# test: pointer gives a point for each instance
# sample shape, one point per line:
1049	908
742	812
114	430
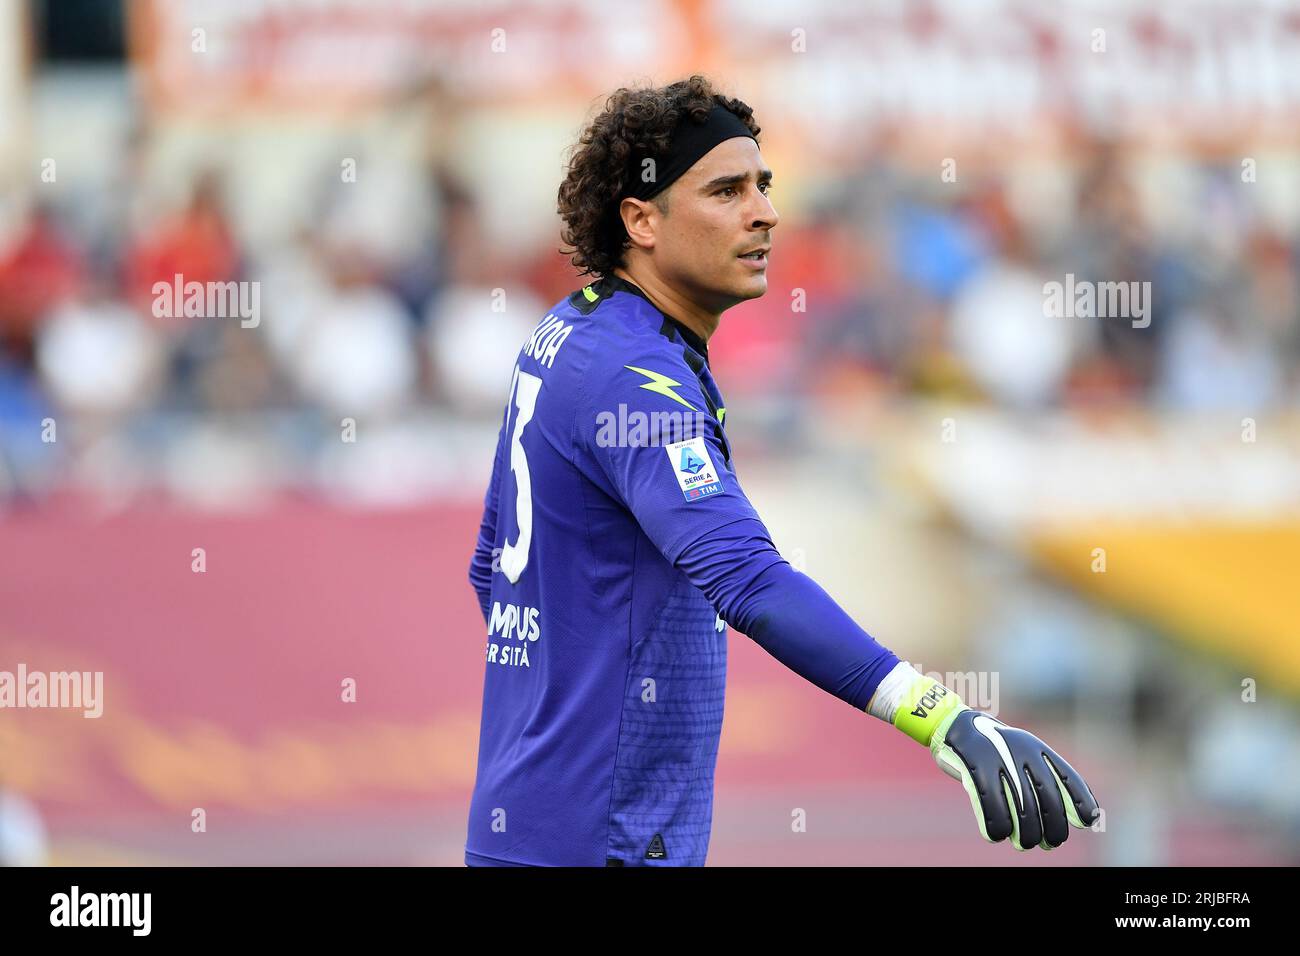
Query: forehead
738	155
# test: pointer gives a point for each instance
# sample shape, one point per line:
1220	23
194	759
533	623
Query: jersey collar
614	283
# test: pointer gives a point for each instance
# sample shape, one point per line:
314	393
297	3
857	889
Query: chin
751	287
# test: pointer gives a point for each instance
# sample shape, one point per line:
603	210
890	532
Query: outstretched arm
1019	787
788	614
688	501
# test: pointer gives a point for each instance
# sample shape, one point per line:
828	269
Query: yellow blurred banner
1232	589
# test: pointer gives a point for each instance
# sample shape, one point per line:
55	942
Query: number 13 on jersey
524	389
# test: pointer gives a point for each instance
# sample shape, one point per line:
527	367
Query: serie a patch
694	468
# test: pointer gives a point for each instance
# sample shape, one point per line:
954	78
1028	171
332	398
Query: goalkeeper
611	559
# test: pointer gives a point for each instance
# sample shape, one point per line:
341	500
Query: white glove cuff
889	695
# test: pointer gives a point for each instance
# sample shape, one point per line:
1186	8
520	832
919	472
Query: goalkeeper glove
1018	786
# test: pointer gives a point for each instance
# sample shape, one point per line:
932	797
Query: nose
766	216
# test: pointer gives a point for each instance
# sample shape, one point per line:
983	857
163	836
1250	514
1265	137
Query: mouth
757	259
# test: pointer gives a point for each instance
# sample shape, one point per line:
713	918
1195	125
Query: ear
641	220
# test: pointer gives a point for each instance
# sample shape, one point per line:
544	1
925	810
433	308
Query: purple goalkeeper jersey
606	667
613	500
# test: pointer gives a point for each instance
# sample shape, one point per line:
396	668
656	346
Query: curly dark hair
636	122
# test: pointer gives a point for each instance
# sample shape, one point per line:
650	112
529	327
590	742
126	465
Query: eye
729	191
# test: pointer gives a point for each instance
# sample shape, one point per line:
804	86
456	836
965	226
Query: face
718	211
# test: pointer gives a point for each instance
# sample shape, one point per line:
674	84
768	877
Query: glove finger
1029	825
1017	840
1056	826
1080	805
985	774
987	783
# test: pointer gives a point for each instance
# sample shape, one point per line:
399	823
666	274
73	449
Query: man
616	539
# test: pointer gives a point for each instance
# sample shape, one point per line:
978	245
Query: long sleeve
785	612
719	541
481	564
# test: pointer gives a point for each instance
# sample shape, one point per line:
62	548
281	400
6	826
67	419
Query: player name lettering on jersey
512	622
544	344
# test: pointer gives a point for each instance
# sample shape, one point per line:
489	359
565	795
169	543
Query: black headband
690	141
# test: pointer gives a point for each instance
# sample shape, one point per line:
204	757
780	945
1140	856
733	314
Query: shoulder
604	344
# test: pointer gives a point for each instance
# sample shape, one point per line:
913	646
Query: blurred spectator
39	271
1246	374
96	357
197	244
1000	329
355	355
473	337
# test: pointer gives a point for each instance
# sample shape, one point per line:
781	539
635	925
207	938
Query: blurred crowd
393	309
929	287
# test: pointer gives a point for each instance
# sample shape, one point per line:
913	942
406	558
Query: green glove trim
928	708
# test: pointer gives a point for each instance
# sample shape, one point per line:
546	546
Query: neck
670	301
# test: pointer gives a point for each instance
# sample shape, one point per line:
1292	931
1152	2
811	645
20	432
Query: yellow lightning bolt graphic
661	384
